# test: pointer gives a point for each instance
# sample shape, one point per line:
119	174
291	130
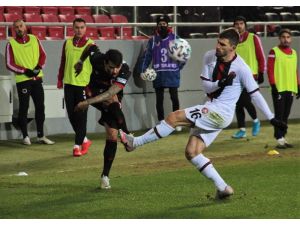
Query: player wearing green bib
26	57
284	80
74	84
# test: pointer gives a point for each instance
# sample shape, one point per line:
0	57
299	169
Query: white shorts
208	122
207	136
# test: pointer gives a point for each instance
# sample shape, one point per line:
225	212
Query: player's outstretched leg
159	131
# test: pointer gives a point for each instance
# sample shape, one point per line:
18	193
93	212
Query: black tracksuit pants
244	102
33	88
160	101
282	102
78	120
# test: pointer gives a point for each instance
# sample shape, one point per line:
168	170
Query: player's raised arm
86	52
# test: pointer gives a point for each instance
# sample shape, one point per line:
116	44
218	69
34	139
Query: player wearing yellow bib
26	57
284	80
74	84
251	51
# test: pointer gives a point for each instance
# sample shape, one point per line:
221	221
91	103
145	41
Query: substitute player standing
251	51
104	92
26	57
284	80
74	85
224	76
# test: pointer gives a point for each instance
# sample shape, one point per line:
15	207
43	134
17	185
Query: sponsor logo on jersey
215	117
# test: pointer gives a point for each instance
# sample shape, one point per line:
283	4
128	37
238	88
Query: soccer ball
149	74
180	50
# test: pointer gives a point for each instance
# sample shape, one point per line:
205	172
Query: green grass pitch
155	181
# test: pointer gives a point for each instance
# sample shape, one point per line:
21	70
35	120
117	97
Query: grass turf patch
153	182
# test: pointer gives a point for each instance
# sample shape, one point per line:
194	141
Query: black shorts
106	117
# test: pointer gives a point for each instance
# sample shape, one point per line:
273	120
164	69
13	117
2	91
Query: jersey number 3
164	55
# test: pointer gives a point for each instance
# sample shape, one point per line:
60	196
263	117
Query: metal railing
221	25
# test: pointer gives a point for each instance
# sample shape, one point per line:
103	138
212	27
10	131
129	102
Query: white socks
159	131
204	165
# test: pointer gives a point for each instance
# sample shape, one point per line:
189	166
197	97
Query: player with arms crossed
224	76
104	92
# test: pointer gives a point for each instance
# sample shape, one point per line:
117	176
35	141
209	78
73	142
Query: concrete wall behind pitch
139	99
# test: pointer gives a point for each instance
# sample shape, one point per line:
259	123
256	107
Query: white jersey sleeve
252	88
209	62
261	103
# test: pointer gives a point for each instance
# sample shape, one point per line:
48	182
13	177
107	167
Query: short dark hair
115	56
231	34
285	30
80	20
240	18
164	18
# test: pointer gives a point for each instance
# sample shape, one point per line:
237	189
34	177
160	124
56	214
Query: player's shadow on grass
178	212
174	212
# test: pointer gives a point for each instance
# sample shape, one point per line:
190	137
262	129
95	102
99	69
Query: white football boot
104	183
228	191
44	140
26	141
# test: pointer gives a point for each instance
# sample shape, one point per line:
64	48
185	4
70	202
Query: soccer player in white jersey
224	75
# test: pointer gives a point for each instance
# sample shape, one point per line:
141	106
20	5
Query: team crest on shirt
204	110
